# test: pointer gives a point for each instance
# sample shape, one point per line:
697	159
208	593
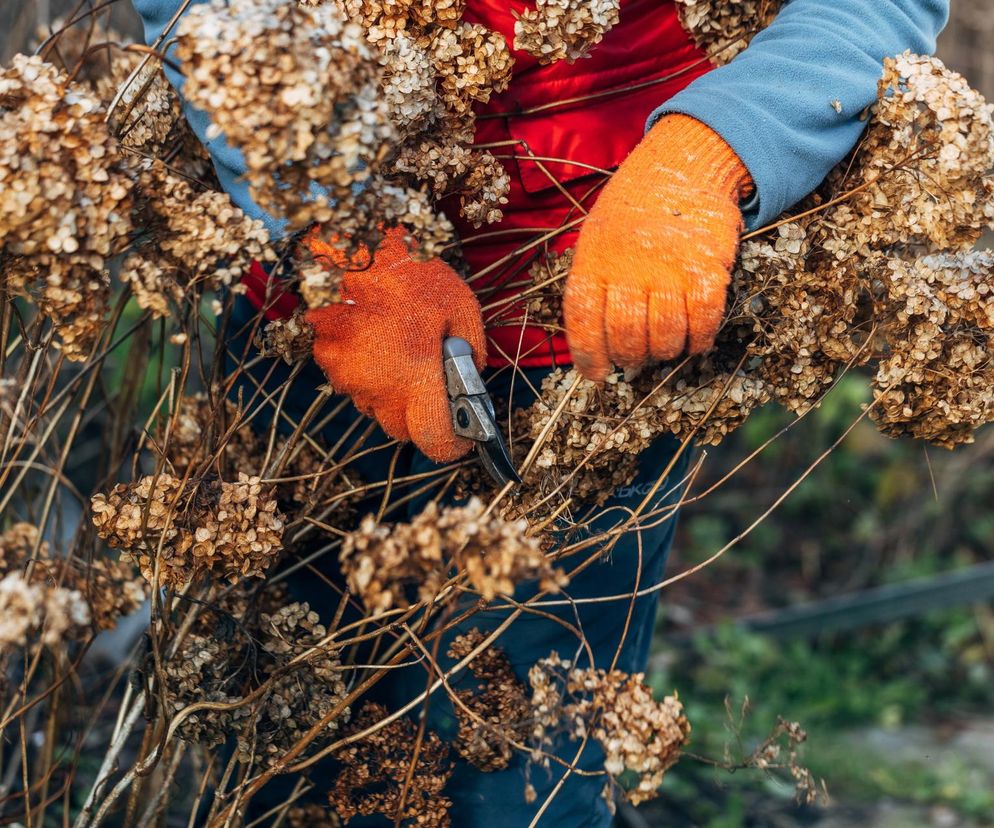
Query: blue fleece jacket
774	103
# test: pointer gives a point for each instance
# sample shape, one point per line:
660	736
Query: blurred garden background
895	689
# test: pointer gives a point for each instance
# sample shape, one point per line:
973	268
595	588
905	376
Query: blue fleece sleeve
156	15
773	103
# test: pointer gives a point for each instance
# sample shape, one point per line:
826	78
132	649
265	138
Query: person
700	153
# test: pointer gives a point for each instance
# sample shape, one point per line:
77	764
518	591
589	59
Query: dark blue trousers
496	800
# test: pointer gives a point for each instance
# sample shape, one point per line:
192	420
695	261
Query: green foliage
875	511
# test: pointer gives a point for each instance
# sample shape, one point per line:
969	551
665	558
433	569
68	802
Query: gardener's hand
383	344
654	256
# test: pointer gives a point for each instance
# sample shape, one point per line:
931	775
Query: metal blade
496	460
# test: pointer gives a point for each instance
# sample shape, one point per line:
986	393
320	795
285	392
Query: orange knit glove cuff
653	260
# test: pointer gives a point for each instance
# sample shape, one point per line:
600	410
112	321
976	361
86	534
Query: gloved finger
706	300
331	321
667	321
583	313
395	244
429	422
466	320
626	323
392	417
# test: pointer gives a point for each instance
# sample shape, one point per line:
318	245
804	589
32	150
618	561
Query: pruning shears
473	411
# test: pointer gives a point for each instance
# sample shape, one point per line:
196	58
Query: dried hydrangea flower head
193	241
31	612
53	599
230	530
65	198
313	118
564	29
385	19
148	114
436	67
377	771
936	382
499	709
290	340
303	693
35	607
302	678
383	563
723	28
639	735
17	545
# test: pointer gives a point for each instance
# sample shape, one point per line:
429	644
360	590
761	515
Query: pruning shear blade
473	411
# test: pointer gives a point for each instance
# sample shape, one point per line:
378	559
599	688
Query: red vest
592	112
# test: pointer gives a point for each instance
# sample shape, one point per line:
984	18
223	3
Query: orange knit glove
653	259
382	345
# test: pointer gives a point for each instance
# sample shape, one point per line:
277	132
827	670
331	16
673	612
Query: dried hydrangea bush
374	101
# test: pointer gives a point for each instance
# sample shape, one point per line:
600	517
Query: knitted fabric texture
382	345
653	260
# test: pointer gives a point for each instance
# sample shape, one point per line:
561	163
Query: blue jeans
496	800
